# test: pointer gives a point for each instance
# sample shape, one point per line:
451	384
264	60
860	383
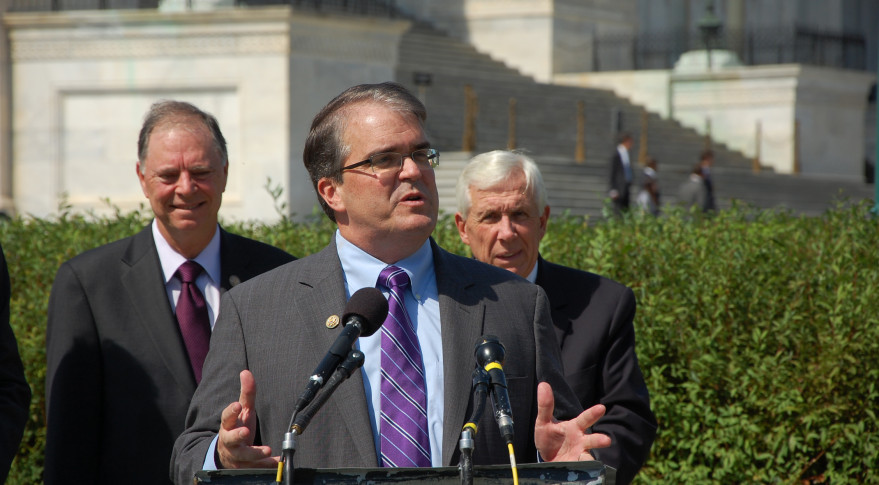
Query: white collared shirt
532	276
207	282
627	166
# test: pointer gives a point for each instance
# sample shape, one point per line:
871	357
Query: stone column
6	205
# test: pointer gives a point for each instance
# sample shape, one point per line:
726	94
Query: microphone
481	381
352	362
365	312
490	356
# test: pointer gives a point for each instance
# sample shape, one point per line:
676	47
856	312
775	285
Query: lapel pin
332	321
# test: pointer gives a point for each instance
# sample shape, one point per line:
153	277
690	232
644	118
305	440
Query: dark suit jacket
118	379
15	394
274	326
709	204
618	180
593	323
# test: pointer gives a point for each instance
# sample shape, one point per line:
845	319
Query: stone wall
537	37
826	106
82	81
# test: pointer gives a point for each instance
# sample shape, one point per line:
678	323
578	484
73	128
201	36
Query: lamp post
710	26
876	160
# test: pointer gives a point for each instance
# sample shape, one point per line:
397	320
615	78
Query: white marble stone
537	37
705	60
828	104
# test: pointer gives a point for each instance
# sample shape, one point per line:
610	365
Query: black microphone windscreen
371	305
489	349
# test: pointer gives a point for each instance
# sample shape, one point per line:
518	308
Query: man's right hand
238	427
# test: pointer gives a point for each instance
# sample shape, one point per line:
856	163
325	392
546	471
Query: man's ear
141	179
544	220
461	222
328	189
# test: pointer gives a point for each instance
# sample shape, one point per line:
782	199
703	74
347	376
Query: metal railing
753	47
63	5
373	8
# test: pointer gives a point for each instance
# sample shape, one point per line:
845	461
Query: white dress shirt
207	282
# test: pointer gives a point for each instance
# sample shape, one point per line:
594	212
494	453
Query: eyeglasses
392	161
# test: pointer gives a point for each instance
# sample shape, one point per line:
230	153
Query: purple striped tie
192	316
403	422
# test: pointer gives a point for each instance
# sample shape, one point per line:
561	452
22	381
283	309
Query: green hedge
757	331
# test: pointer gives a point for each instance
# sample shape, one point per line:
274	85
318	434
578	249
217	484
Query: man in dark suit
121	366
706	160
372	167
15	394
621	174
502	215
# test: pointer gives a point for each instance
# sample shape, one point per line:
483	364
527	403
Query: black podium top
581	472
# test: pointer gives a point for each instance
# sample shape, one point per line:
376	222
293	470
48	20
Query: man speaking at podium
371	164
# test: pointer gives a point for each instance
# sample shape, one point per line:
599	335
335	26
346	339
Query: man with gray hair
130	321
503	215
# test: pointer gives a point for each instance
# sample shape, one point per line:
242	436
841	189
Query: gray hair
325	148
183	113
491	168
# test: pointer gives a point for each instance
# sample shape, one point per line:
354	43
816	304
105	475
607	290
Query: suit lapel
462	325
325	278
143	281
233	261
558	300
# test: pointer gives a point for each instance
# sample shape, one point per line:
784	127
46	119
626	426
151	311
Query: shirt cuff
209	463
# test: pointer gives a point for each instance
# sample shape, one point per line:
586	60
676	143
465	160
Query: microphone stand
299	421
285	466
481	381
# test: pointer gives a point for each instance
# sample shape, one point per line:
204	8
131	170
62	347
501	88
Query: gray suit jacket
274	326
118	378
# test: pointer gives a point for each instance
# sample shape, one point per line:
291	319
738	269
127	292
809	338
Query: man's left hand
565	440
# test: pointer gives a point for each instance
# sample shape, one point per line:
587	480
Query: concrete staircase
546	128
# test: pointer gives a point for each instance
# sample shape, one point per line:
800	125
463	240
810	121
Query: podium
580	472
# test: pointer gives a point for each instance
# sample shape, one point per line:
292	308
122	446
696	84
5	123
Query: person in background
621	174
693	193
503	215
15	394
130	322
648	197
706	160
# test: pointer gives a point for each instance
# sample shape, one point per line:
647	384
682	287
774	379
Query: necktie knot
189	271
394	277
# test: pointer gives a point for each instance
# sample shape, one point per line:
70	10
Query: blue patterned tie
403	422
192	316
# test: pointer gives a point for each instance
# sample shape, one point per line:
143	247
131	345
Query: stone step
546	128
